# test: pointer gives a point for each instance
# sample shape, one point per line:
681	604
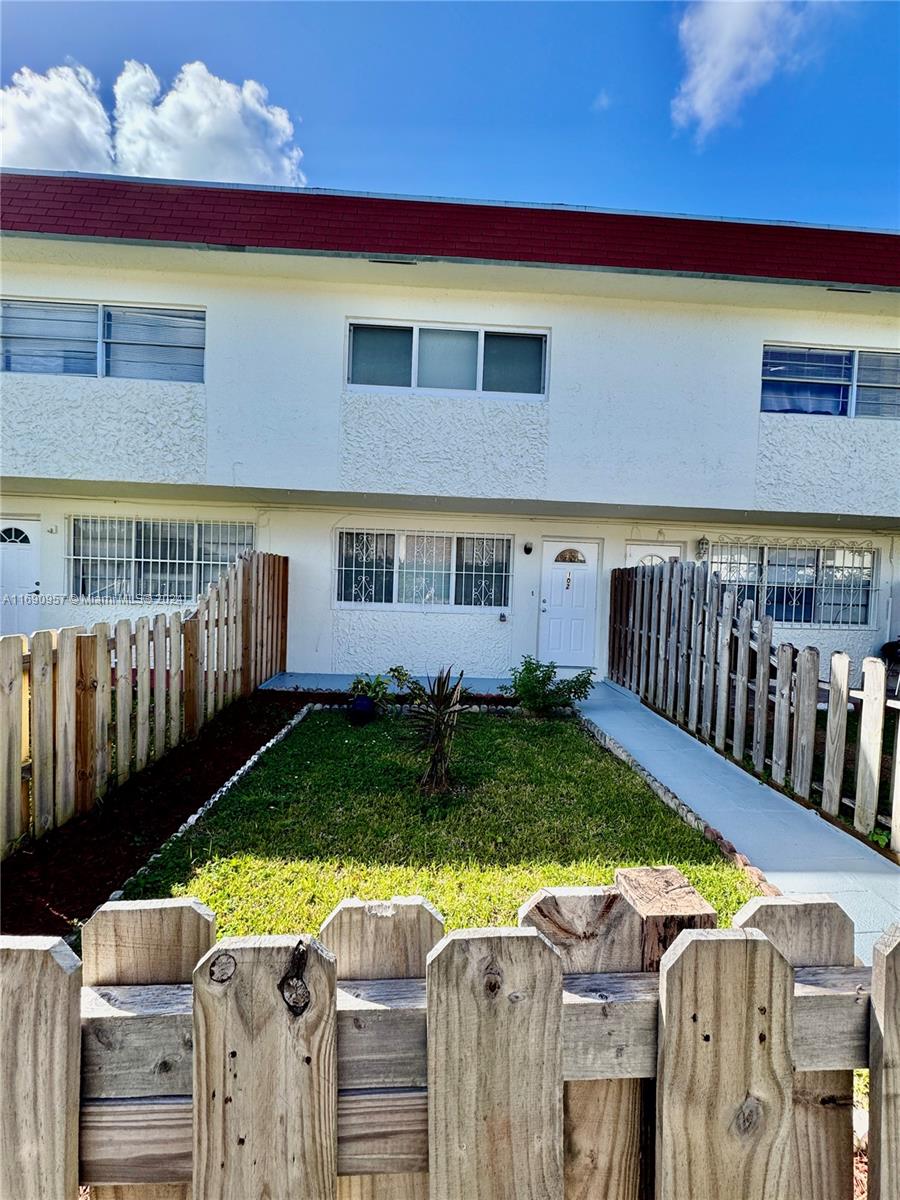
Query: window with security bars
831	382
117	341
800	585
423	569
137	559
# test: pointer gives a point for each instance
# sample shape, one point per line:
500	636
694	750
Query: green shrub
375	687
535	686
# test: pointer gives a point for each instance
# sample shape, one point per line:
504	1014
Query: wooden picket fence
80	711
614	1045
676	639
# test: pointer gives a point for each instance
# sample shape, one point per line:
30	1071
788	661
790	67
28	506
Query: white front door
648	554
20	572
567	632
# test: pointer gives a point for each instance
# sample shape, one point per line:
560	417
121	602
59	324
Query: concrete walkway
795	849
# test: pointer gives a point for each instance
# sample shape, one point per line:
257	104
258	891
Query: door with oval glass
568	619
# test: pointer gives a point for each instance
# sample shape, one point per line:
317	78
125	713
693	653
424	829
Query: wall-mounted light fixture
528	547
702	548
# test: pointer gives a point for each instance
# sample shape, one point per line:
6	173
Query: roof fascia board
412	260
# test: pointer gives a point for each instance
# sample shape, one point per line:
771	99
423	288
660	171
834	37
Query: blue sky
568	103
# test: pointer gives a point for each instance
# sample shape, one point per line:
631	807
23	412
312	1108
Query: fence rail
678	639
81	710
612	1044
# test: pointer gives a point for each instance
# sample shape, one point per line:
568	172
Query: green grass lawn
333	812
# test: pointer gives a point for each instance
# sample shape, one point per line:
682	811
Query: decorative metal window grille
423	568
52	338
132	558
801	584
839	383
483	567
365	566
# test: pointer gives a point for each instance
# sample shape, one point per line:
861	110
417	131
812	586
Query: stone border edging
678	806
239	774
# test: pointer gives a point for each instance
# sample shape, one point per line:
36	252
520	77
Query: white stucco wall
325	638
858	461
653	397
444	447
67	427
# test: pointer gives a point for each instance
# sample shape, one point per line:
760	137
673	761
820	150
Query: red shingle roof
308	221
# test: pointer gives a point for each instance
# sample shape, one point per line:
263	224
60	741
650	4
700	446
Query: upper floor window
132	558
447	359
113	340
840	383
422	569
799	584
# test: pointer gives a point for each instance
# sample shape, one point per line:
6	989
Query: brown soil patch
51	885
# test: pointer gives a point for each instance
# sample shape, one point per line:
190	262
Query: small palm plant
433	717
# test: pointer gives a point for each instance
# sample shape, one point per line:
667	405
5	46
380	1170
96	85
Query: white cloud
602	101
203	127
732	48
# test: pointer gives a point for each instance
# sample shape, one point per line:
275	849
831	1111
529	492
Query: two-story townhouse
455	418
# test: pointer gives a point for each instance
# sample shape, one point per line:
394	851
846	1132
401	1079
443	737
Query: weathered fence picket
65	725
710	646
42	693
683	644
723	660
484	988
143	689
742	679
40	994
805	708
884	1068
725	1075
11	735
381	940
124	699
85	722
715	670
514	1068
594	930
781	725
265	1069
871	736
139	944
836	733
813	931
696	635
761	694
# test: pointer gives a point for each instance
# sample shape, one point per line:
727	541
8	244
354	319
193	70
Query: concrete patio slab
291	681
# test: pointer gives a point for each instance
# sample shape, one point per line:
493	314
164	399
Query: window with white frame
133	558
434	358
422	569
801	584
831	382
118	341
